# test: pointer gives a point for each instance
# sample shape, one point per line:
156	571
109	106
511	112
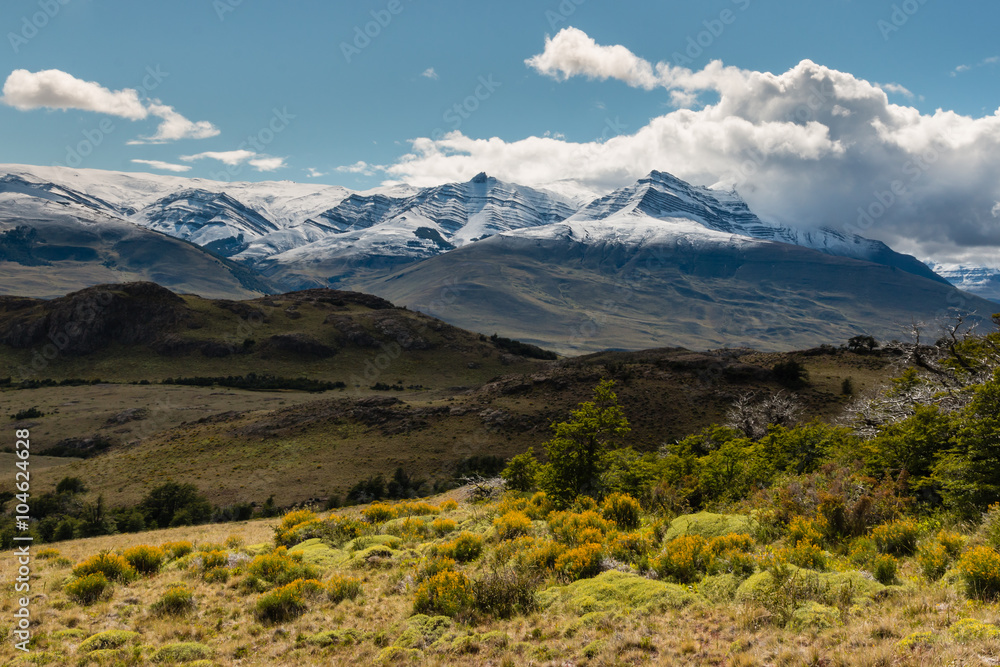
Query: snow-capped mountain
307	235
982	281
662	196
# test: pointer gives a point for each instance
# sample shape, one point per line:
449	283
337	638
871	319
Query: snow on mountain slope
425	223
309	231
982	281
661	195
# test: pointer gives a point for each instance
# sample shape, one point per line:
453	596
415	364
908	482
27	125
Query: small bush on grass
433	565
287	602
448	505
177	549
623	509
683	559
145	559
631	547
511	525
340	588
377	513
465	548
504	593
280	567
446	594
898	538
580	562
443	526
175	601
293	527
933	559
980	570
112	566
88	589
575	528
803	528
109	639
884	569
182	652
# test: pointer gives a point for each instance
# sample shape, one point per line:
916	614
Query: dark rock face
91	319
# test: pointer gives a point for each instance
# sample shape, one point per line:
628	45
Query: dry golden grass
737	634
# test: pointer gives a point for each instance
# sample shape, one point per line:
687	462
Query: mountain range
658	262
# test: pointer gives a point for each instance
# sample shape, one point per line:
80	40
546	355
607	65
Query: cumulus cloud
808	147
313	172
238	157
429	73
55	89
164	166
359	167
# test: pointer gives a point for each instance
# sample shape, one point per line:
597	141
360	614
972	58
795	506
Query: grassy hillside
238	445
574	298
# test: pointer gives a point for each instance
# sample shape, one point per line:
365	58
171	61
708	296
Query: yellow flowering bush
575	528
287	602
896	537
112	566
464	548
512	524
145	559
933	559
980	570
623	510
443	526
445	594
580	562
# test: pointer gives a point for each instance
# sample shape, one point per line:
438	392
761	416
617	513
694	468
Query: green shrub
623	509
177	549
511	525
933	559
279	567
287	602
446	594
898	537
465	548
176	601
88	589
108	639
182	652
808	555
575	528
980	570
112	566
340	588
630	547
443	526
504	593
377	513
145	559
884	569
432	565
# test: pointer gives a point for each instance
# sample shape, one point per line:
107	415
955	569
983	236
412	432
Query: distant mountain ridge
306	235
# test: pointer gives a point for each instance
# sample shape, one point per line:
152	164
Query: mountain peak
481	177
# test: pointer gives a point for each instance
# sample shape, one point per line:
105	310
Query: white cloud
359	167
55	89
429	73
313	172
895	88
176	126
238	157
232	158
996	210
808	147
164	166
572	52
992	60
267	163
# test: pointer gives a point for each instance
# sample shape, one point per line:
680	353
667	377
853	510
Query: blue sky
232	63
441	90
